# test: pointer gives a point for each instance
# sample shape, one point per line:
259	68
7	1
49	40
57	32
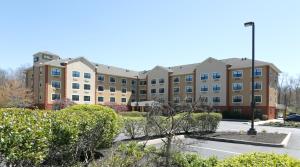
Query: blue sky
139	34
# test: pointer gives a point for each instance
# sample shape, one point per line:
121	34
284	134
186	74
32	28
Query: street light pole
252	130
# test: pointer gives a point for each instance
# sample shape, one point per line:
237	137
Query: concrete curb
263	122
159	140
282	144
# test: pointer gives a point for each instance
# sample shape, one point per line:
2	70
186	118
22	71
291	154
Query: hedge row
156	126
35	137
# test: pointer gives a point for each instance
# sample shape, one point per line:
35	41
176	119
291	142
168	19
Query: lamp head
249	24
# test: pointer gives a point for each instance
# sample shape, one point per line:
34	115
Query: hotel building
224	84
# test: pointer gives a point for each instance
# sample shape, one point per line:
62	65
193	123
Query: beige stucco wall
51	90
182	95
210	66
158	73
273	90
106	94
82	68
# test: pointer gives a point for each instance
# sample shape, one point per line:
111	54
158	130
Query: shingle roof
111	70
244	63
57	62
184	69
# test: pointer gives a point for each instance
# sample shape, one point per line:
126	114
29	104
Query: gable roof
116	71
84	60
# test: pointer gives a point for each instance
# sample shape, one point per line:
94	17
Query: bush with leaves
207	122
134	126
133	114
260	159
192	160
25	136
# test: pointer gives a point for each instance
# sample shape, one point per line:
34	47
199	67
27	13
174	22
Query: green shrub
133	114
207	122
260	159
134	126
24	136
186	121
192	160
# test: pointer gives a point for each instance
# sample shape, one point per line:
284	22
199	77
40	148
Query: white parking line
230	152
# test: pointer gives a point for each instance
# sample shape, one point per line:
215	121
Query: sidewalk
263	122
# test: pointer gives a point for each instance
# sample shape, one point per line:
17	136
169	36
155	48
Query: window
143	82
100	88
257	99
100	99
87	87
153	91
124	90
176	100
237	99
36	59
123	100
161	81
56	96
258	72
101	78
55	84
257	86
143	92
75	97
75	86
112	79
204	77
76	74
204	88
189	100
87	75
237	74
216	99
204	99
133	91
112	89
216	88
189	78
153	81
216	75
86	98
124	81
133	82
189	89
55	71
112	99
161	90
237	86
176	90
176	80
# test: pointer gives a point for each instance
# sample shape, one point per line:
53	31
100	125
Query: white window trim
237	102
216	91
254	72
175	98
143	93
122	81
151	91
261	99
99	79
161	79
242	71
55	94
212	75
204	74
76	77
212	99
76	83
153	80
56	75
187	87
159	91
87	101
87	73
112	77
112	87
112	97
98	99
178	80
188	77
176	88
75	95
99	90
202	86
87	89
254	85
56	81
122	90
237	83
125	100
